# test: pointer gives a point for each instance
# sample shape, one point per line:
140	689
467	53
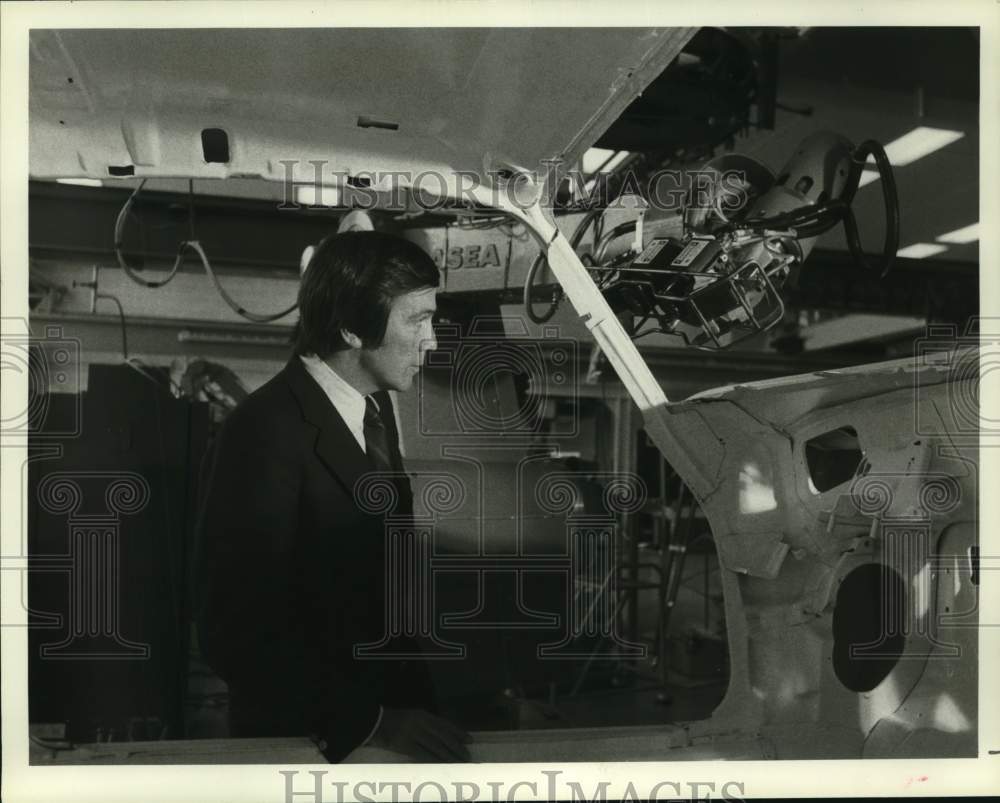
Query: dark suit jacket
290	572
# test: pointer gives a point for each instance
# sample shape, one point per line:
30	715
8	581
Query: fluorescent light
968	234
921	250
594	158
908	148
918	143
867	177
602	159
317	195
81	182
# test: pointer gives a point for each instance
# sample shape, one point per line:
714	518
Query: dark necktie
376	438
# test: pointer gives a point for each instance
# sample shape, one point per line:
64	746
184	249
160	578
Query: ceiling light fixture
317	195
913	145
81	182
967	234
602	160
920	250
867	176
918	143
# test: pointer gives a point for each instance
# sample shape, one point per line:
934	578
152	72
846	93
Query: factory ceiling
441	98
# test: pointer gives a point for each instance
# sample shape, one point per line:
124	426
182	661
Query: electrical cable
812	221
140	367
195	246
652	330
529	280
618	231
121	318
592	211
891	204
118	241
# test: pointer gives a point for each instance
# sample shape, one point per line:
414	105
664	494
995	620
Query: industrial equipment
813	487
721	280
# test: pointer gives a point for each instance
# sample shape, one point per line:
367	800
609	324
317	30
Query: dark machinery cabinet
110	512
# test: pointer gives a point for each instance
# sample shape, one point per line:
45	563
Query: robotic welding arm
712	273
720	280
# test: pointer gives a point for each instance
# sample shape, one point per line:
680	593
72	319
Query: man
291	570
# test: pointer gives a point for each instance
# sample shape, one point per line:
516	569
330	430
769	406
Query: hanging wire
121	319
191	244
118	240
529	280
238	308
812	221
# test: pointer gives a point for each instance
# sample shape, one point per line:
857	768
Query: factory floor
642	705
642	701
603	693
639	698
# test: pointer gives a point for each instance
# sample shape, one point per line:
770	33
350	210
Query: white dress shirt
342	395
351	406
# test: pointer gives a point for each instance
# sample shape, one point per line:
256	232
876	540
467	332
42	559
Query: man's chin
404	384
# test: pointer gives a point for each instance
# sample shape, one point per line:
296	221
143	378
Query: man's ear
351	339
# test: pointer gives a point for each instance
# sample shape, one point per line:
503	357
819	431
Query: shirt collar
349	403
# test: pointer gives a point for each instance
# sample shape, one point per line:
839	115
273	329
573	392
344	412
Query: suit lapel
336	446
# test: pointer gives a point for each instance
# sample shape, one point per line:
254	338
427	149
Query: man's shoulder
273	402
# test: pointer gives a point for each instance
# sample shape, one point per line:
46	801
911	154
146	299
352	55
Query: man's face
408	337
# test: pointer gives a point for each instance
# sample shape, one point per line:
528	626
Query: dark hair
350	283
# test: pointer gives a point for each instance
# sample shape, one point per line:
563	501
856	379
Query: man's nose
428	342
